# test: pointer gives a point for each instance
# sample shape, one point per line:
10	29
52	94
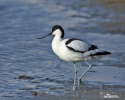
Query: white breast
56	45
59	48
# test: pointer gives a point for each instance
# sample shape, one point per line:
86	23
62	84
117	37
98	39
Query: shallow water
22	54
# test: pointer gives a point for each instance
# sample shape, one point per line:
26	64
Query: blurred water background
21	54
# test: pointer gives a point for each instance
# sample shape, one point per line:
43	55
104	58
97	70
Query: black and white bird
74	50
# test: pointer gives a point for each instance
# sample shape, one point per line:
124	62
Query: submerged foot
74	89
79	83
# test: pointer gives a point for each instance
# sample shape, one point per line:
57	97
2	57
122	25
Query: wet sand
86	93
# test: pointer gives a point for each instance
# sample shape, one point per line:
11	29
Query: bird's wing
81	46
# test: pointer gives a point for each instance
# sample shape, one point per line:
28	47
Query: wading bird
74	50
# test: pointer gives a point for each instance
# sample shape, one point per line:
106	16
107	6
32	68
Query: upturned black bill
44	36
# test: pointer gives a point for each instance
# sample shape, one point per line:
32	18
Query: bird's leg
79	80
75	76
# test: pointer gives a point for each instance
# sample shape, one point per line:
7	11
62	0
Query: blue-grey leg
79	80
75	76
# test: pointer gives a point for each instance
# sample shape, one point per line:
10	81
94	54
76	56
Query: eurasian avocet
74	50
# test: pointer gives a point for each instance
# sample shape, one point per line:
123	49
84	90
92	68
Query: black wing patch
70	40
92	47
101	53
75	50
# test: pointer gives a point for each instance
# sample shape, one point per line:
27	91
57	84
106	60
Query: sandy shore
93	93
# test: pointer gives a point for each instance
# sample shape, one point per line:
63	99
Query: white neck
56	44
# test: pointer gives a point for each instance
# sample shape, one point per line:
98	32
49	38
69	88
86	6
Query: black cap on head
58	27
